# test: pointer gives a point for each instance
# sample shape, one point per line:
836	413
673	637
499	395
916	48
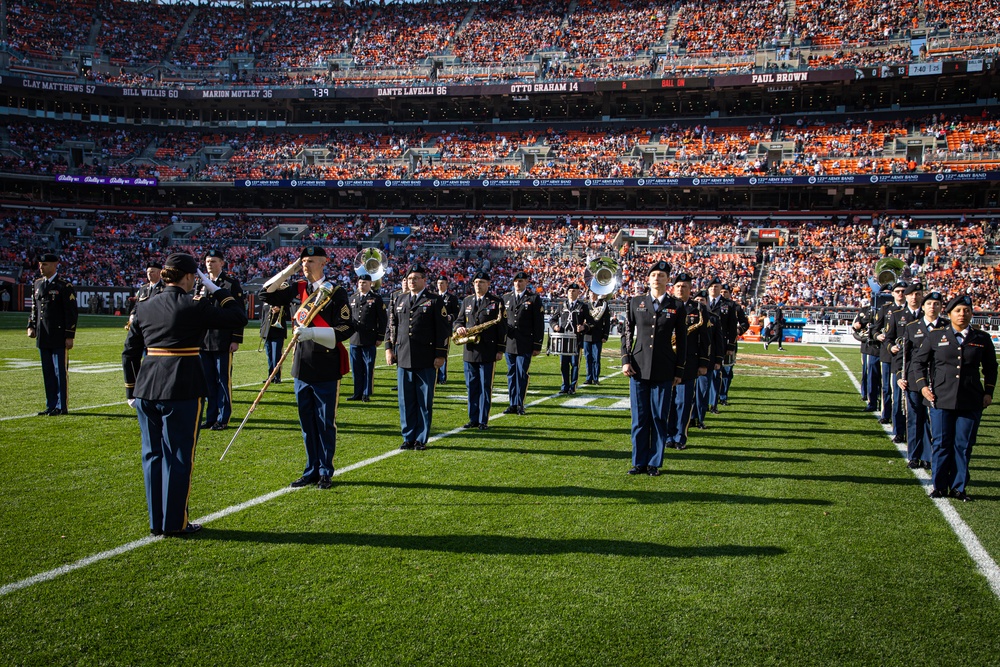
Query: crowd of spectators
960	17
48	28
722	27
134	34
218	32
408	33
620	30
843	22
308	37
509	30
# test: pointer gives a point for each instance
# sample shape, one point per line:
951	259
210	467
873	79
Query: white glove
131	402
210	287
304	333
277	279
324	336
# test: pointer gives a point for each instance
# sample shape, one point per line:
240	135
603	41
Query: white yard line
233	509
983	560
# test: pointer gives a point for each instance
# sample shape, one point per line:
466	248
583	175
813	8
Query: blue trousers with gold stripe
54	366
169	435
416	402
218	368
317	403
479	381
649	420
680	412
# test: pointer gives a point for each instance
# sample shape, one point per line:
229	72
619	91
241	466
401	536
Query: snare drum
563	343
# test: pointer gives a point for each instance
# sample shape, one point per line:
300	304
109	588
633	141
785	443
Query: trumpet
307	312
472	334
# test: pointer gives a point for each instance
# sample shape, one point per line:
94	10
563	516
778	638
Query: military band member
653	366
594	340
52	323
717	350
370	319
152	287
451	305
391	306
698	324
864	326
776	333
169	388
890	391
918	426
218	348
948	365
742	326
525	334
320	358
573	318
418	344
273	331
898	321
480	357
725	311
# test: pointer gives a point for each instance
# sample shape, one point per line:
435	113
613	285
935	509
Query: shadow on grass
639	496
623	454
819	451
496	545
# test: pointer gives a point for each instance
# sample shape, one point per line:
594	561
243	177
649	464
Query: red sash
318	321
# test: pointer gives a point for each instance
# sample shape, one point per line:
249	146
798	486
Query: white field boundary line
111	405
983	560
233	509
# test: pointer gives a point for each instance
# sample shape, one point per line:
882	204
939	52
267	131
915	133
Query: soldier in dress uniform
898	322
698	324
742	326
52	324
864	328
273	331
369	315
890	391
525	334
777	330
218	349
918	425
573	318
451	305
418	344
391	306
725	310
717	350
948	364
594	340
321	359
152	287
480	357
654	347
168	388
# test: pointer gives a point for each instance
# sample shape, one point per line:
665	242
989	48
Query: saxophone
472	333
691	329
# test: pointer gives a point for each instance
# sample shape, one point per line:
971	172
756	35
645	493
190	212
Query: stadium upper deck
118	41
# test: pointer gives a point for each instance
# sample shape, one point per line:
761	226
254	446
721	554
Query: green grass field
789	533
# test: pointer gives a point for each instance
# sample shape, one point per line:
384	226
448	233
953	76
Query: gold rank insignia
444	312
345	313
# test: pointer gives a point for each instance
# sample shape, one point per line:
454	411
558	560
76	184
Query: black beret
714	281
49	257
416	268
364	276
481	275
914	288
702	293
682	278
214	252
932	296
574	286
312	251
521	275
659	266
899	285
962	300
725	287
153	264
444	278
183	262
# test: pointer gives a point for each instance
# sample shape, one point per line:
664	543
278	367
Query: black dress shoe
913	464
637	470
304	481
56	412
961	495
511	410
470	425
46	412
899	439
653	471
883	420
714	411
155	532
483	427
723	402
206	424
190	529
219	426
936	494
702	426
680	446
353	398
870	408
563	392
324	482
406	445
926	465
522	411
572	392
365	399
420	446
